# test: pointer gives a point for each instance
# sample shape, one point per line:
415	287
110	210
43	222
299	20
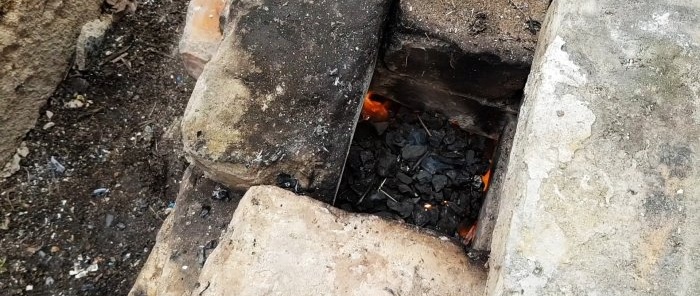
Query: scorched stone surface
282	94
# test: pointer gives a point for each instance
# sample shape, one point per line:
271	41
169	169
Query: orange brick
202	34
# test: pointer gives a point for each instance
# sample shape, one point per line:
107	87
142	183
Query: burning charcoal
433	165
220	194
386	165
413	152
418	137
439	182
404	208
423	176
404	178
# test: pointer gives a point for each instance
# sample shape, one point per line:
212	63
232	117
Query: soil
53	222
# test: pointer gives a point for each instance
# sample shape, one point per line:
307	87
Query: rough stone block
602	184
279	243
202	33
283	92
187	237
34	56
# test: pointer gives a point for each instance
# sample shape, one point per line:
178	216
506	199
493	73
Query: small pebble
48	125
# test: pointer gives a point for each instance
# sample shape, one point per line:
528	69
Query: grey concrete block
279	243
601	191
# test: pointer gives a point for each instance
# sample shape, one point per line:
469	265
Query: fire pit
417	167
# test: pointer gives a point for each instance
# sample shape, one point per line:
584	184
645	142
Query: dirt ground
57	236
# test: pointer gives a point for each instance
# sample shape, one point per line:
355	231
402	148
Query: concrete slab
279	243
283	93
602	189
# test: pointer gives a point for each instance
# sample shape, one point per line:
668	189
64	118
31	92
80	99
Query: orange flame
467	234
374	110
486	178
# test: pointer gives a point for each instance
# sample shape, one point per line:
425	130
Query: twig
155	214
424	127
419	161
387	194
115	55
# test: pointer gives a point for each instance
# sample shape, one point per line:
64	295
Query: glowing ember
485	179
374	110
467	234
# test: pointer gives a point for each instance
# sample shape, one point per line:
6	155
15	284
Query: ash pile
420	169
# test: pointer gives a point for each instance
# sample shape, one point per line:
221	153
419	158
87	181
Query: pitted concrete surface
279	243
601	191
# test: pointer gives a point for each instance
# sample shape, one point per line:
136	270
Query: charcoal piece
458	145
420	216
448	221
452	161
461	179
374	199
455	208
449	137
463	200
413	152
367	157
423	176
418	137
452	174
435	138
439	182
404	178
287	181
388	215
425	190
403	208
452	154
395	139
477	182
423	216
386	165
469	156
405	189
438	196
432	121
433	165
